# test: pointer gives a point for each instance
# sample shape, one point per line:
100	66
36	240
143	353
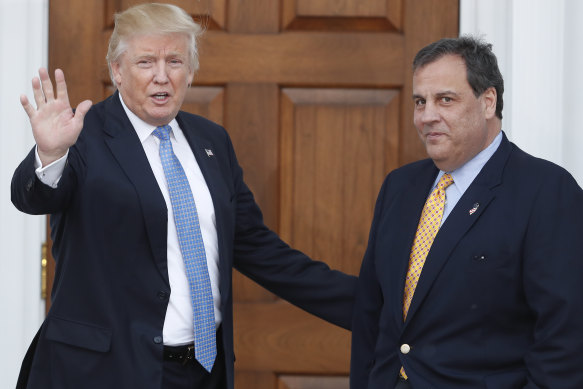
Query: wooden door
316	95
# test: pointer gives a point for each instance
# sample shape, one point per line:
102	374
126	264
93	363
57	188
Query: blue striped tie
193	253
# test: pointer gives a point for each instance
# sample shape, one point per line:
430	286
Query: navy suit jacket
499	303
109	228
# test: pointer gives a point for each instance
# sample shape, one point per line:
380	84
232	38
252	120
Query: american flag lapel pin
474	209
209	152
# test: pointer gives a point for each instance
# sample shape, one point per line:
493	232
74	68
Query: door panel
337	145
316	97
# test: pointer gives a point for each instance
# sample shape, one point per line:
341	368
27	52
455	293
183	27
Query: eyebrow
438	95
154	55
136	57
175	54
446	93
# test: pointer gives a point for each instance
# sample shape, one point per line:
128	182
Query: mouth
433	135
161	97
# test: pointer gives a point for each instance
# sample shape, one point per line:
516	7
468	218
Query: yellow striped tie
426	230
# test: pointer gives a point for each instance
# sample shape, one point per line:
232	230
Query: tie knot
162	132
445	181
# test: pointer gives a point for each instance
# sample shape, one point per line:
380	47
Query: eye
144	63
175	62
446	99
419	103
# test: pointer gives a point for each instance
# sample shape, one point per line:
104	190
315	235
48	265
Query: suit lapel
128	151
467	211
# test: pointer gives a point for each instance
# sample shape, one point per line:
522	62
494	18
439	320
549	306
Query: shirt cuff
50	174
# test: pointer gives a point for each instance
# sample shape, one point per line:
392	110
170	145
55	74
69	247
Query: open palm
55	126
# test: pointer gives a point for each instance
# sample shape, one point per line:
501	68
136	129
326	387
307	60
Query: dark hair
481	63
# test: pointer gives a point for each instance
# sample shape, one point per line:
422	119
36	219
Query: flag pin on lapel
209	152
474	209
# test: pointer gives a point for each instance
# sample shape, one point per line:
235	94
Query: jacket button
405	348
157	339
29	185
162	295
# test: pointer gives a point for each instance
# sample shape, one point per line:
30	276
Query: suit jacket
499	303
109	230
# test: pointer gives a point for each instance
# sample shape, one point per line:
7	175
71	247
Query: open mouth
160	96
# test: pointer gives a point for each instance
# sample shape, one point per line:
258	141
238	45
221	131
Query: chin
158	117
433	153
439	158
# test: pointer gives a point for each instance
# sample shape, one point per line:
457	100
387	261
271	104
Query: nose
160	73
429	113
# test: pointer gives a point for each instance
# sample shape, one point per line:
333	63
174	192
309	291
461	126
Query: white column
573	93
538	45
492	21
537	77
23	49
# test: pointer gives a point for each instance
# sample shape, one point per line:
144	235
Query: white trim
492	21
536	42
537	78
23	49
573	84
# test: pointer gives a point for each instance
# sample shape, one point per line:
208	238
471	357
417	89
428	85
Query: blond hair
152	18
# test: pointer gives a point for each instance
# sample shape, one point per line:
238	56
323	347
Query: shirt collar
143	129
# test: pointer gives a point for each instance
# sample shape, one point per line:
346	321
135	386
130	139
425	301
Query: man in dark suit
473	275
149	214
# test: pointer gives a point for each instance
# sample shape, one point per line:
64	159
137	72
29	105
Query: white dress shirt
178	323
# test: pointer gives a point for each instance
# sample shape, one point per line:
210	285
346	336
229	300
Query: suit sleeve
553	284
262	256
30	195
368	305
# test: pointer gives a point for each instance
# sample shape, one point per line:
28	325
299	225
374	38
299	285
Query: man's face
153	75
452	122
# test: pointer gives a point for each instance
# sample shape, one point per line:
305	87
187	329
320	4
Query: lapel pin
474	209
209	152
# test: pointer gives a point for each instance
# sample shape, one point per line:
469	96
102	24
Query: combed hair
152	18
481	63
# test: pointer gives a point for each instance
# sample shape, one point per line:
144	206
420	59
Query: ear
489	99
115	70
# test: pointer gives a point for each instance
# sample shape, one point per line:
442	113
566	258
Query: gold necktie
426	231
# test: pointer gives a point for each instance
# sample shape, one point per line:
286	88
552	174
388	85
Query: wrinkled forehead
152	41
156	45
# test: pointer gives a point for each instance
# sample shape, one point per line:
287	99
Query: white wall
23	49
538	44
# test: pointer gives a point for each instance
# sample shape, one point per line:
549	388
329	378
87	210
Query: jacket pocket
78	334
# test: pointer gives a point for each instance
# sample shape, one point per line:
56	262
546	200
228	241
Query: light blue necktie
193	253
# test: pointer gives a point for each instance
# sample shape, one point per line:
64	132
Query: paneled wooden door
316	95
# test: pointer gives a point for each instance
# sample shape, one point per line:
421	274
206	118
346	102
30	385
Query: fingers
43	92
82	109
62	93
47	85
27	106
39	97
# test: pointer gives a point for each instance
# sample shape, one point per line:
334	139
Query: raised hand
54	125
